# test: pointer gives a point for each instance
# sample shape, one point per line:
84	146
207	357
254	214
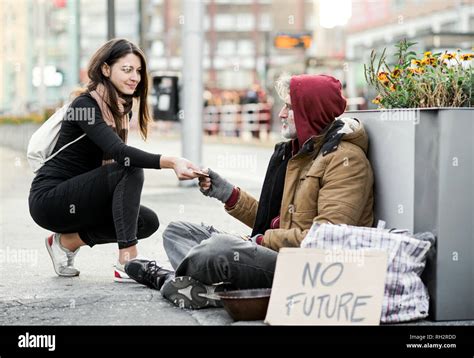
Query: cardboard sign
327	287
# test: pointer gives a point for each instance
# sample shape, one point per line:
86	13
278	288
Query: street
32	294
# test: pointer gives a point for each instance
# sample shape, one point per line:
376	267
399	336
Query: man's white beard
289	132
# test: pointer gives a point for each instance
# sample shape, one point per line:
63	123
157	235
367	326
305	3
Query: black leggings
102	205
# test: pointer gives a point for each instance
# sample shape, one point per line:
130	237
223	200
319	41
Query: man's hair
282	86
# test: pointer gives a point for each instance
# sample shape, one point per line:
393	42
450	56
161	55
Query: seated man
321	174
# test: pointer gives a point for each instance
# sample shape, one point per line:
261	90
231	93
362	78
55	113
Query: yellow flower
396	73
428	54
448	56
393	88
432	61
376	100
416	71
382	76
425	61
467	57
416	62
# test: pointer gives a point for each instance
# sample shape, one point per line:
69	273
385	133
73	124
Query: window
156	25
224	22
234	79
245	22
310	23
157	48
245	48
398	4
226	47
449	26
265	22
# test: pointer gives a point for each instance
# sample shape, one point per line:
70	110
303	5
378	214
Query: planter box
423	161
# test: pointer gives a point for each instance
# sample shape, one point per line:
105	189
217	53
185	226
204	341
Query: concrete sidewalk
31	293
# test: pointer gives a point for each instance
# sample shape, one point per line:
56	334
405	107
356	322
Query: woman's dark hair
110	53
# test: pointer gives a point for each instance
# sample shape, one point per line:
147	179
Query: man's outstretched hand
215	186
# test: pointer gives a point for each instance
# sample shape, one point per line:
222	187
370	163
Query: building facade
56	38
239	49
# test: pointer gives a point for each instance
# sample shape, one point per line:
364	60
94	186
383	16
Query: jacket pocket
306	196
303	220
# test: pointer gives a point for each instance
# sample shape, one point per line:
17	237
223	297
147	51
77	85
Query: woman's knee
137	173
148	223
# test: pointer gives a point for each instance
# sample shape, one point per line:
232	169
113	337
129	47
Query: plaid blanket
405	296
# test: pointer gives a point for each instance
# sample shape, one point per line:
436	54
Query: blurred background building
239	38
247	42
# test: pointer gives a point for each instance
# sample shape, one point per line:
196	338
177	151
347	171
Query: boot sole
186	292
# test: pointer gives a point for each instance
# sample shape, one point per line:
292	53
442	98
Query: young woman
90	192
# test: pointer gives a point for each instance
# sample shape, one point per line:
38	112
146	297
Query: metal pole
74	44
193	39
351	75
141	25
42	54
110	19
267	60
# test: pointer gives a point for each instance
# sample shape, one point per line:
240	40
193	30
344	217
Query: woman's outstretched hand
183	168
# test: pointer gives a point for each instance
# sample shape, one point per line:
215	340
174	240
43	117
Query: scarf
269	203
102	97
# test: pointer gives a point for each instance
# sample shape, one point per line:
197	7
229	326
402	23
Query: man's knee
210	261
216	248
174	230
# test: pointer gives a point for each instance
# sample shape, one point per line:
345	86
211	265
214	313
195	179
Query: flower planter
423	162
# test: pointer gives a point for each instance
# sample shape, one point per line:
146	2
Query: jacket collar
313	144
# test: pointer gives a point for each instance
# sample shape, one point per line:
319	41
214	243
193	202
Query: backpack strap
64	147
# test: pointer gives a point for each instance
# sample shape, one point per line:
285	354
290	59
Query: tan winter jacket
336	188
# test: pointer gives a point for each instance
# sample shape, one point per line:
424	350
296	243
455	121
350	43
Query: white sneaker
120	275
63	259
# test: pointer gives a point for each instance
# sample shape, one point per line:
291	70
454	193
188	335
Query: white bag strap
64	147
